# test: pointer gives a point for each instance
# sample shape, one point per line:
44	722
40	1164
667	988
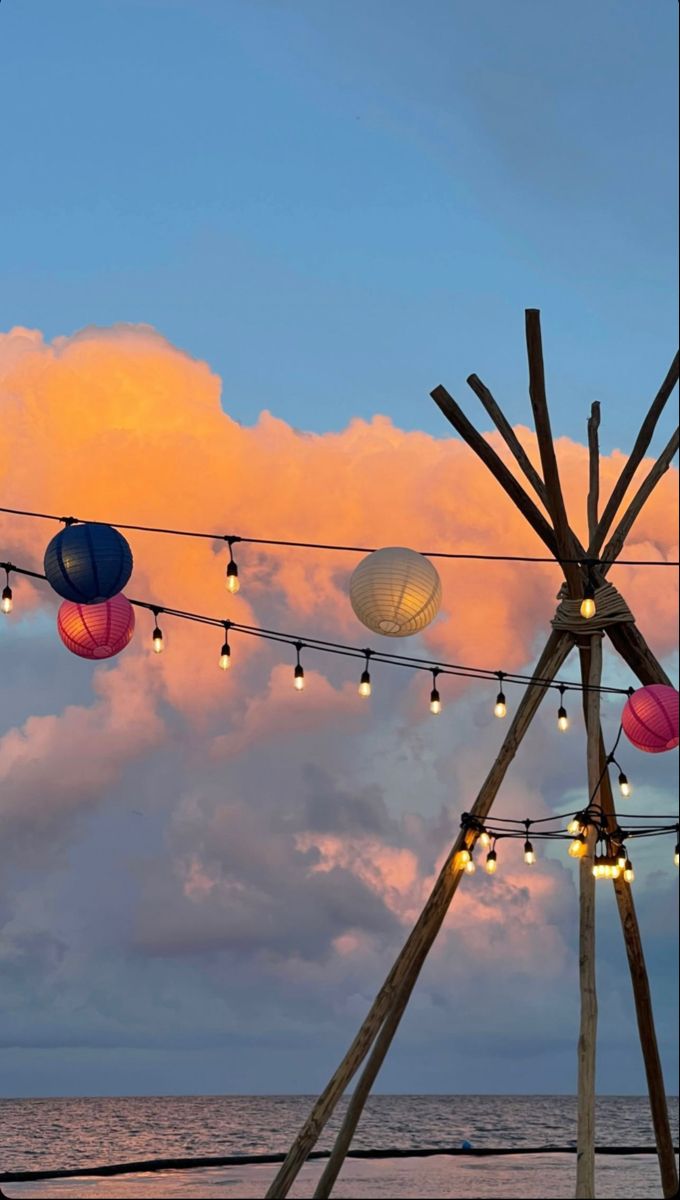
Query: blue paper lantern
88	563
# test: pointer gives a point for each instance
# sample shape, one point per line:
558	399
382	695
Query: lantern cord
341	649
232	539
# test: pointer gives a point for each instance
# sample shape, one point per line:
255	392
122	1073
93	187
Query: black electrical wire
232	539
340	649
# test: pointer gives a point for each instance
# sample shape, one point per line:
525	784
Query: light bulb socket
6	601
491	861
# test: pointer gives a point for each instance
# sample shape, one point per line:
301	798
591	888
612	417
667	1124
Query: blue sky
339	206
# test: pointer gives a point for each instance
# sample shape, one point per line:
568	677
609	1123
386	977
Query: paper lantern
96	630
650	718
88	563
395	591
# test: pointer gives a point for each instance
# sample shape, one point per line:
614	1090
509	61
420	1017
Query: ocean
61	1133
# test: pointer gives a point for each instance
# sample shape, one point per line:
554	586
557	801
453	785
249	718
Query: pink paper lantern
96	630
650	718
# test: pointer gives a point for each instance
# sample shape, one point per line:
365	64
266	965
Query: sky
242	242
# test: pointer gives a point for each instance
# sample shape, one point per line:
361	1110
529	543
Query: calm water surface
80	1132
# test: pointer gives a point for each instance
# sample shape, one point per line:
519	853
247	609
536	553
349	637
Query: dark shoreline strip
247	1160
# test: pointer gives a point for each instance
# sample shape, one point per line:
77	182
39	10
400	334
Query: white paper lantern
396	592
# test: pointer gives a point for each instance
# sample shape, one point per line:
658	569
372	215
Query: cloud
182	839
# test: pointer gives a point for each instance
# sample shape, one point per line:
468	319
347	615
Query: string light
491	862
578	847
157	636
435	698
299	673
629	873
484	839
233	584
224	661
676	856
562	718
575	825
341	649
470	866
365	681
6	602
624	785
500	707
463	857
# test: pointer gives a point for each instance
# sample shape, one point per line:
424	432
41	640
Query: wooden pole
594	468
640	982
585	1131
408	964
616	542
636	456
509	436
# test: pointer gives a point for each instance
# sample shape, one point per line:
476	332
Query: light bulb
225	657
529	853
500	707
676	856
157	638
435	702
578	847
6	603
596	870
491	862
629	873
624	785
299	678
622	858
233	584
470	867
574	826
588	608
463	858
484	839
562	718
615	871
365	684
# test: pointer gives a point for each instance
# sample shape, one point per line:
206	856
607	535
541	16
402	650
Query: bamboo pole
407	966
585	1132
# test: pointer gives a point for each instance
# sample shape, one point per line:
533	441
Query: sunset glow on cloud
273	838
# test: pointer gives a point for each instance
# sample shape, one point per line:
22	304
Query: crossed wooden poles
578	564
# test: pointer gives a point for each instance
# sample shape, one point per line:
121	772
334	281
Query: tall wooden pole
585	1131
407	967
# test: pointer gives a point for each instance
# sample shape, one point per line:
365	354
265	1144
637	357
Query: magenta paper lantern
96	630
650	718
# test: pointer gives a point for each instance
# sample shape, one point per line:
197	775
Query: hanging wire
343	650
232	539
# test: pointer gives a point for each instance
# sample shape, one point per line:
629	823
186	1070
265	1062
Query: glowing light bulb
299	678
225	657
622	859
233	583
6	603
365	684
588	606
491	862
435	702
629	873
676	856
578	847
574	826
624	785
500	707
596	870
463	857
562	718
157	640
529	853
470	867
484	839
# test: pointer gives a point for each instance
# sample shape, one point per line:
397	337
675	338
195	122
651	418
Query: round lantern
650	718
88	563
395	591
96	630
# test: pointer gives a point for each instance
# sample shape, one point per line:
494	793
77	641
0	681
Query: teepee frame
381	1022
